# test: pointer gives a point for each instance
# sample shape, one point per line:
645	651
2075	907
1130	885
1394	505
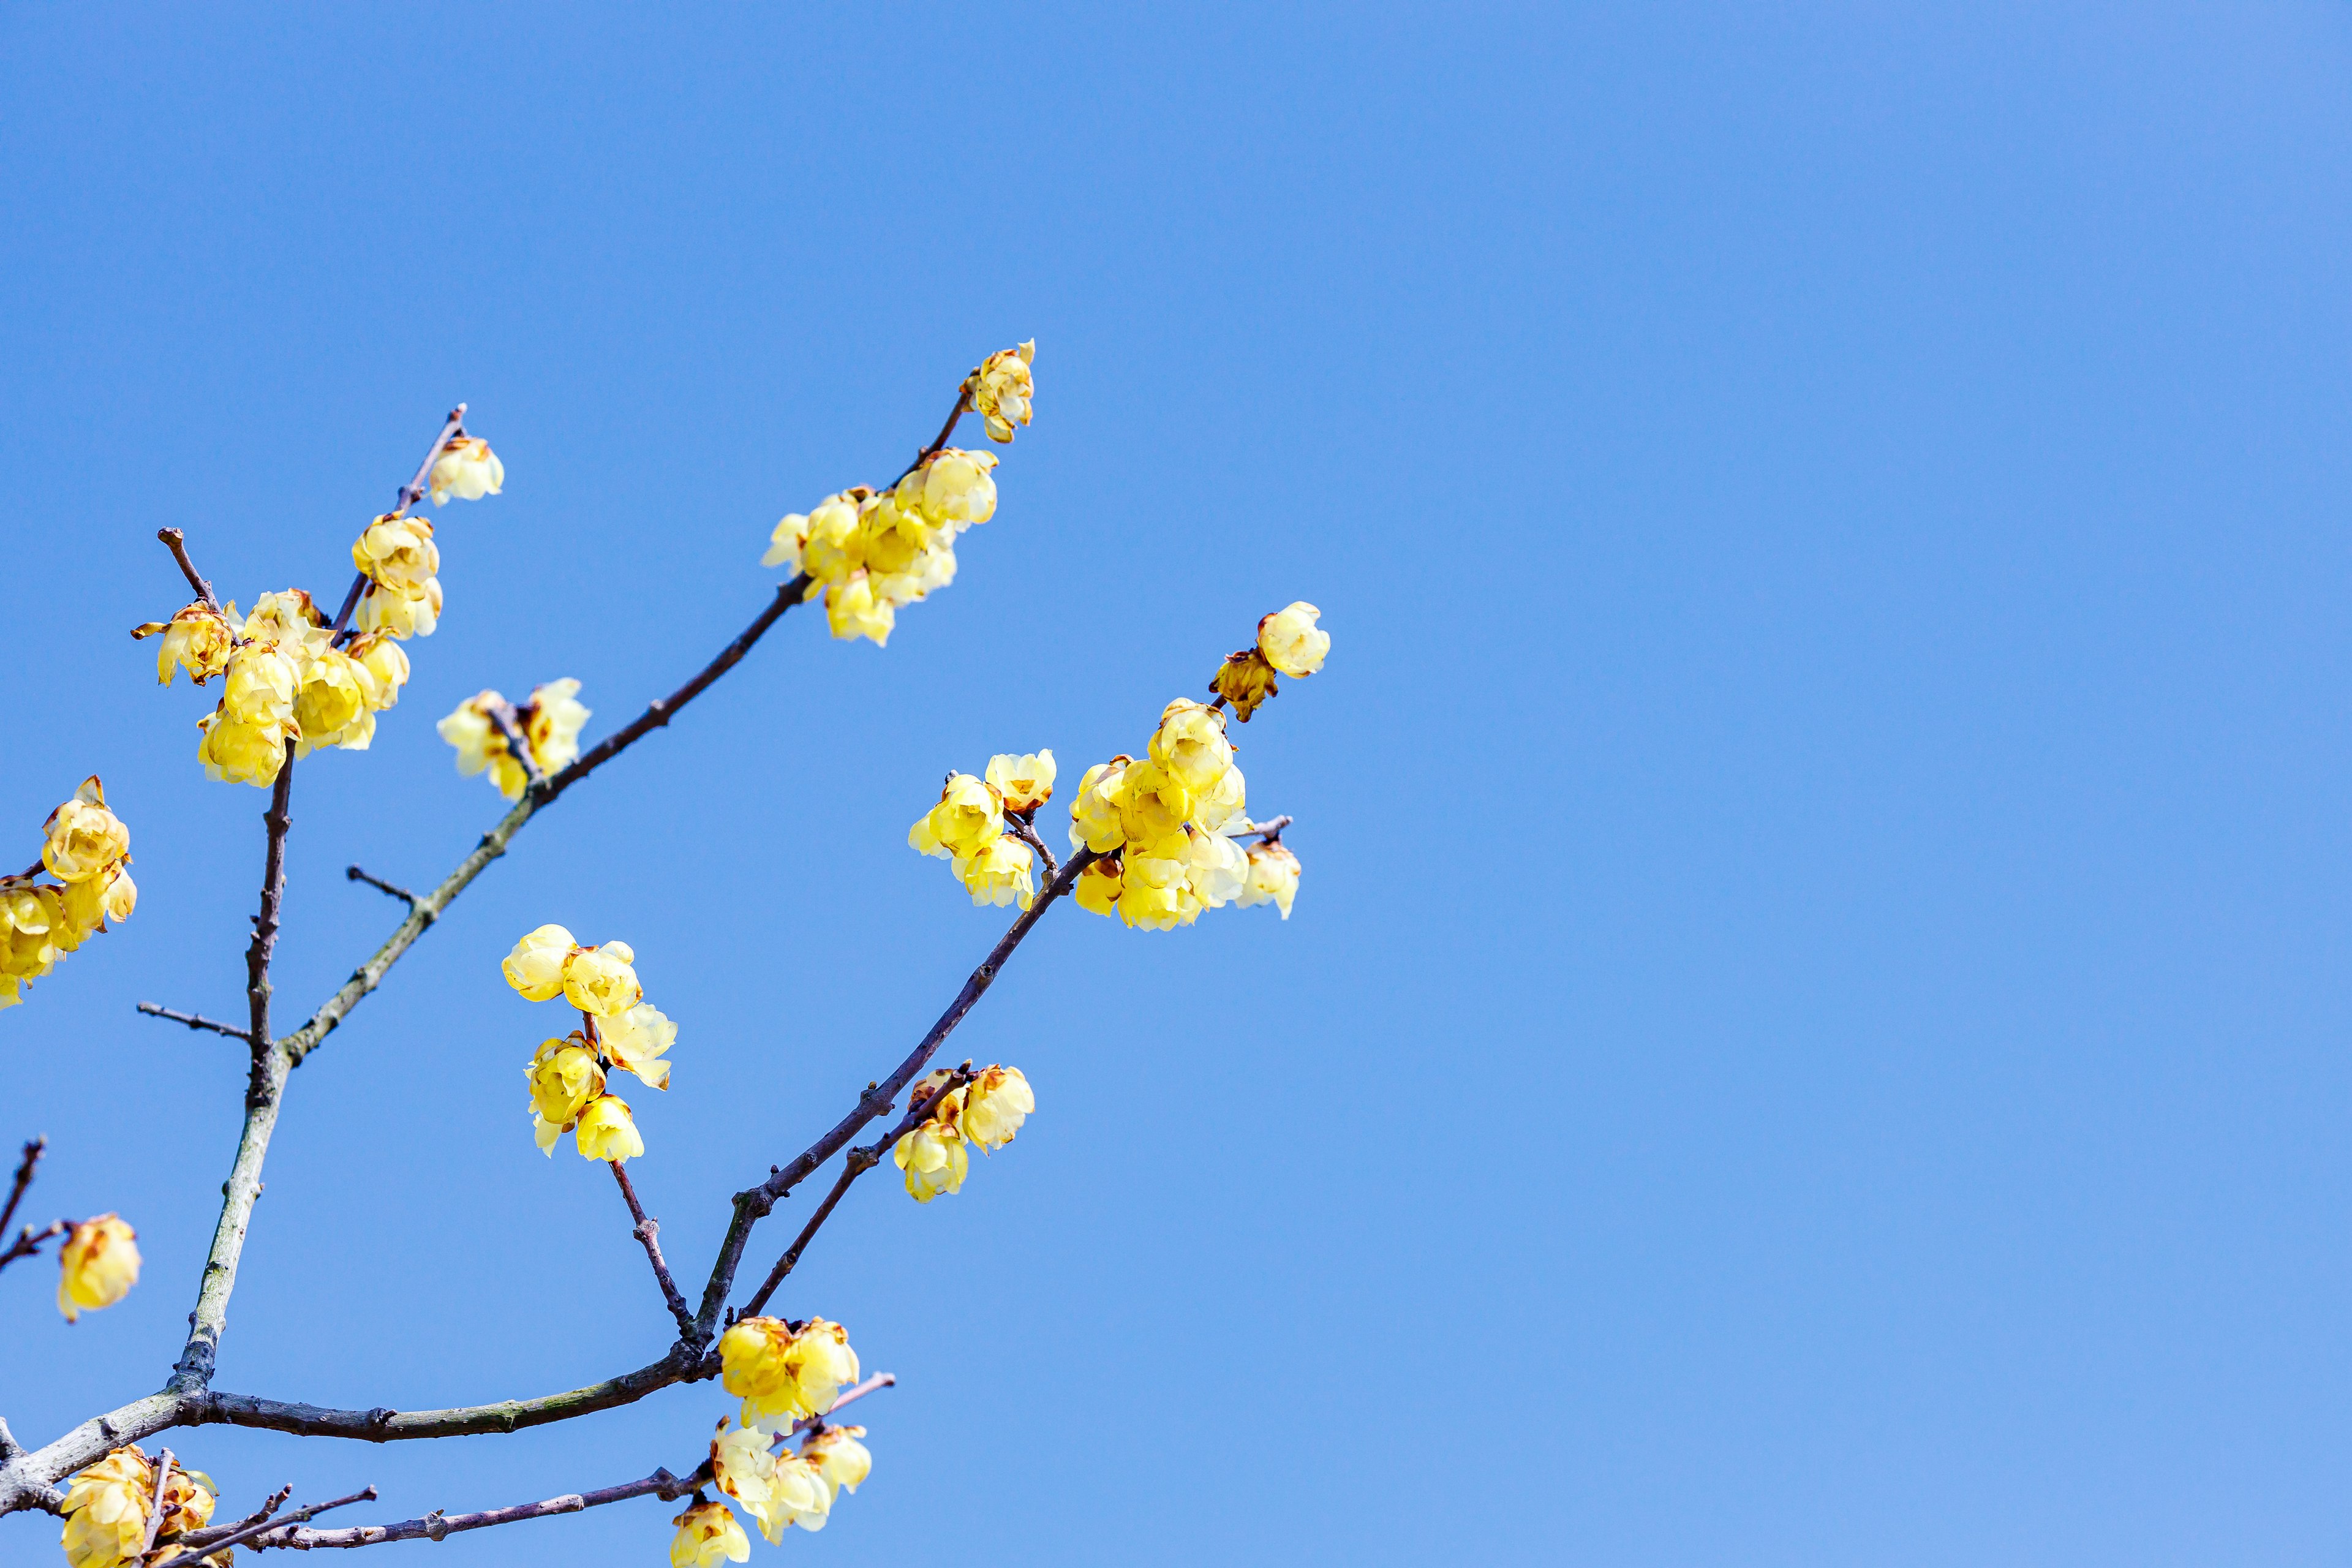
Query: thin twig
248	1532
947	432
648	1231
856	1165
352	873
195	1021
178	545
410	493
155	1512
33	1149
1269	831
1019	826
28	1241
438	1525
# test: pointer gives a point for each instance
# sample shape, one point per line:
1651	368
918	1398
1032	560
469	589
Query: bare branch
437	1526
247	1531
28	1241
177	543
33	1149
648	1231
195	1021
856	1165
156	1510
276	820
947	432
753	1203
410	494
1021	828
353	873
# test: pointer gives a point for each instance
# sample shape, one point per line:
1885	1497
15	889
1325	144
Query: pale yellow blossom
1272	877
552	723
535	967
969	817
1155	893
635	1039
959	489
289	619
838	1455
110	895
333	706
821	1362
1001	389
600	980
386	664
606	1131
1026	782
1221	802
234	750
1094	811
1096	890
399	615
195	639
833	549
798	1495
1152	808
1190	745
995	1103
1003	872
780	1375
1217	870
467	469
262	678
397	553
708	1534
851	610
97	1265
932	1154
784	543
81	838
564	1078
106	1508
1290	640
473	732
32	927
742	1468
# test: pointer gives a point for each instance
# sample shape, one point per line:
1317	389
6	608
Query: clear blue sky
1813	1029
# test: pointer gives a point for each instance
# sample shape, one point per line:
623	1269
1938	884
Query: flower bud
564	1079
1026	782
994	1105
97	1265
467	469
1245	679
635	1039
1098	885
1094	811
81	838
969	816
1001	389
708	1534
1190	745
399	615
1003	872
837	1455
1290	641
331	706
195	640
606	1131
1272	877
535	967
397	553
958	488
600	980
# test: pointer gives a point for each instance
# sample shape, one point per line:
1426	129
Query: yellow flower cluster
1288	643
549	725
97	1265
869	551
982	1111
290	681
1162	826
1001	389
106	1505
87	850
966	828
619	1032
785	1374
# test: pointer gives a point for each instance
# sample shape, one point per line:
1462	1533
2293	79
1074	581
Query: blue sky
1812	1031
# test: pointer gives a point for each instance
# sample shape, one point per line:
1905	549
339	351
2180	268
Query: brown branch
195	1021
410	494
353	873
177	543
856	1165
753	1203
247	1532
947	432
33	1149
648	1231
156	1511
437	1526
277	819
28	1241
1019	826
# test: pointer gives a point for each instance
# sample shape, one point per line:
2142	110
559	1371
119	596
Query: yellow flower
1222	801
756	1367
467	469
398	554
1097	887
290	620
400	616
636	1040
906	556
97	1265
853	611
32	927
932	1154
1290	642
551	722
1217	870
189	1499
821	1362
195	640
1155	893
708	1534
386	665
1003	872
81	838
234	750
833	549
535	967
606	1131
798	1495
261	681
1001	389
564	1078
1245	680
970	814
1026	782
1152	807
106	1510
1272	877
110	895
1190	745
742	1468
994	1105
958	488
479	745
1094	811
600	980
837	1455
12	990
784	543
331	706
